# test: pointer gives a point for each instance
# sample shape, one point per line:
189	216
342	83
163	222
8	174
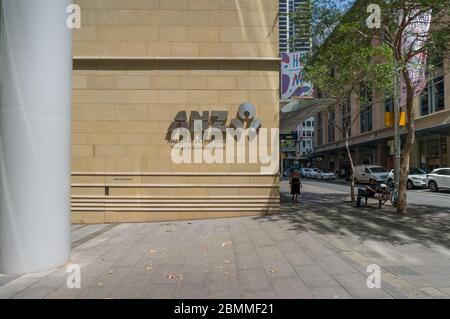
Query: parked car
304	172
438	178
416	178
370	174
324	175
311	172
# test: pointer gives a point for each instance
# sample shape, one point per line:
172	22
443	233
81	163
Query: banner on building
413	35
292	82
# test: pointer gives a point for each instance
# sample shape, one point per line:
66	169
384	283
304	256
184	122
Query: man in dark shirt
370	191
367	191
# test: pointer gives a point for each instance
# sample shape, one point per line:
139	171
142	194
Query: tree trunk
352	178
406	154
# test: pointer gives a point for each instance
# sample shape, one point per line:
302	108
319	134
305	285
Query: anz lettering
215	120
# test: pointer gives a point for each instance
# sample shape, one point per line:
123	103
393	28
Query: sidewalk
319	248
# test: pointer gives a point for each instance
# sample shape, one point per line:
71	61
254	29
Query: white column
35	135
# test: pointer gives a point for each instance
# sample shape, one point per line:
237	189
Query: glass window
319	129
366	107
331	127
432	98
416	171
378	170
439	93
389	104
424	102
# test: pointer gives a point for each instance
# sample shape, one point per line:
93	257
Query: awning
296	111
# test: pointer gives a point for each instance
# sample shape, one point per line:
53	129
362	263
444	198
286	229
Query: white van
370	174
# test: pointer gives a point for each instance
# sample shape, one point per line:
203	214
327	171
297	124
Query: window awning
296	111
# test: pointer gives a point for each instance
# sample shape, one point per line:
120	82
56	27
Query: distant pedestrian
296	184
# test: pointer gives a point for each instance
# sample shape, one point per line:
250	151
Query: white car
311	172
304	172
439	178
416	178
371	174
324	175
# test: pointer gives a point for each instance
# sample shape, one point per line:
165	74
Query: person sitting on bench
370	191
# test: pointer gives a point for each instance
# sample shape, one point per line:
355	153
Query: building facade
287	27
306	138
140	67
371	140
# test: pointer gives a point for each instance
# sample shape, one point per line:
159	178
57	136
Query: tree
407	44
339	68
403	28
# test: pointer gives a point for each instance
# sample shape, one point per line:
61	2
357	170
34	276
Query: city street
416	197
318	248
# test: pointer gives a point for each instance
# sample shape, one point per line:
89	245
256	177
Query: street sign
293	136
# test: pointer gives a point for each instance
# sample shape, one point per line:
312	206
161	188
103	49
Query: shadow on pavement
334	214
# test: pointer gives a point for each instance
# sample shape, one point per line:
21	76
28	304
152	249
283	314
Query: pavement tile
254	279
330	292
16	286
433	292
126	292
33	293
315	276
291	288
64	293
95	293
356	286
159	292
319	248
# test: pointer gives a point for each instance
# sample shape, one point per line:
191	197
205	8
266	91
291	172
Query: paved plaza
319	248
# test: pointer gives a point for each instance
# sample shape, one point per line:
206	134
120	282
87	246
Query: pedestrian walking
296	184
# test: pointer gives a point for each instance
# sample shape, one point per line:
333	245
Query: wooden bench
380	197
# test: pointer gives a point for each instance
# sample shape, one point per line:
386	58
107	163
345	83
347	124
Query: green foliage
340	66
358	53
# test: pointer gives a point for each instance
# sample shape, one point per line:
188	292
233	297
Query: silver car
311	172
324	175
416	178
439	178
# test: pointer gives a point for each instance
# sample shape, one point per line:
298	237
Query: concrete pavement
319	248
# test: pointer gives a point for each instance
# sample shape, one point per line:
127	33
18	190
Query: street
321	247
416	197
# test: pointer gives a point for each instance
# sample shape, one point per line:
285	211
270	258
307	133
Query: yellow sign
389	119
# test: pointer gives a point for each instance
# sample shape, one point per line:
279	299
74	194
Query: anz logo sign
245	119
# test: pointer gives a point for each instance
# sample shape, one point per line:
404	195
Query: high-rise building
289	41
